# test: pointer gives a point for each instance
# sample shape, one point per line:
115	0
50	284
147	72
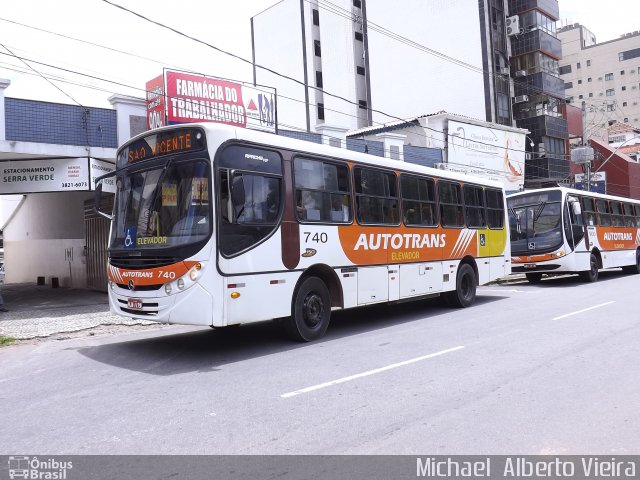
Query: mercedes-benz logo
131	285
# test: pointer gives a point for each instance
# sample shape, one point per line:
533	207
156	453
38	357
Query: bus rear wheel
310	312
591	275
634	269
465	292
534	277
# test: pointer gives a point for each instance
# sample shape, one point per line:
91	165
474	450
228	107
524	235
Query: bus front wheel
591	275
465	292
311	311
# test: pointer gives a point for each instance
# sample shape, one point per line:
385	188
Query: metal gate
96	229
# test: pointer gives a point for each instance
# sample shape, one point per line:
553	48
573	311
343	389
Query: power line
128	86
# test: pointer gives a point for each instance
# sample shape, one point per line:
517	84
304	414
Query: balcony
536	40
545	126
549	7
539	82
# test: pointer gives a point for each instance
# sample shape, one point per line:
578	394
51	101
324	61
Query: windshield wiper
538	212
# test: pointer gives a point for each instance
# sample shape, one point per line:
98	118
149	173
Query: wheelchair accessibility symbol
129	238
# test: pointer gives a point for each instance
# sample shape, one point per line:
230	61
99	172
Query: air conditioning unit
521	99
513	25
505	70
521	73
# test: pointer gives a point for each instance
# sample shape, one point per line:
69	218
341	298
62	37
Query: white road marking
368	373
584	310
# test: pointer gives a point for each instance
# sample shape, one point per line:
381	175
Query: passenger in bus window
307	206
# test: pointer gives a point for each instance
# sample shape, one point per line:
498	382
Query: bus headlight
167	288
112	285
193	274
180	284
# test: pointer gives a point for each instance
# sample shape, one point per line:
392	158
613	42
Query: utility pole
583	155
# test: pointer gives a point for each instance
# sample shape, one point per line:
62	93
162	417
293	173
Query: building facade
356	68
601	78
492	60
539	91
49	155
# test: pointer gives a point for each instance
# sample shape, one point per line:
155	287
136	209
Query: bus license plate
529	265
134	303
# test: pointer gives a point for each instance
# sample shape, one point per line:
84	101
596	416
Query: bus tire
465	292
633	269
533	277
591	275
310	311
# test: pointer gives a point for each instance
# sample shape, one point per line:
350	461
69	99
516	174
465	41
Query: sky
95	49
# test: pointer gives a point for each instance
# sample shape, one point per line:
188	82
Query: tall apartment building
601	78
538	90
373	62
388	61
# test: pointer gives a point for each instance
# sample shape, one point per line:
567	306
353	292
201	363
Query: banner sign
487	152
155	103
598	182
181	97
50	175
97	168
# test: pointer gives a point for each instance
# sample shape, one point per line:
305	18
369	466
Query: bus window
617	219
376	197
451	209
602	209
588	211
495	208
629	216
474	206
418	201
250	209
322	191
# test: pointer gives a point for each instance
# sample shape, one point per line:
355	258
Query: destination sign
160	144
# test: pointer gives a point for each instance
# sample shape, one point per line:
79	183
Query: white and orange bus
219	226
561	230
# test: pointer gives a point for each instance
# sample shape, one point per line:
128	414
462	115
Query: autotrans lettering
150	276
618	236
398	241
129	274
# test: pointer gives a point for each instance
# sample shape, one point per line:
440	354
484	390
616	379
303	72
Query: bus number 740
316	238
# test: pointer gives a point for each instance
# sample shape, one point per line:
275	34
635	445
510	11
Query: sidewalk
42	311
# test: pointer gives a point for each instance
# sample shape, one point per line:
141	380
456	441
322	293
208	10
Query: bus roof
226	132
567	191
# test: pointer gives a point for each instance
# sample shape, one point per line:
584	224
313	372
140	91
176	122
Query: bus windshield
162	206
535	225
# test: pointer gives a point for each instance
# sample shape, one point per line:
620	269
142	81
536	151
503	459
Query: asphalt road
529	369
